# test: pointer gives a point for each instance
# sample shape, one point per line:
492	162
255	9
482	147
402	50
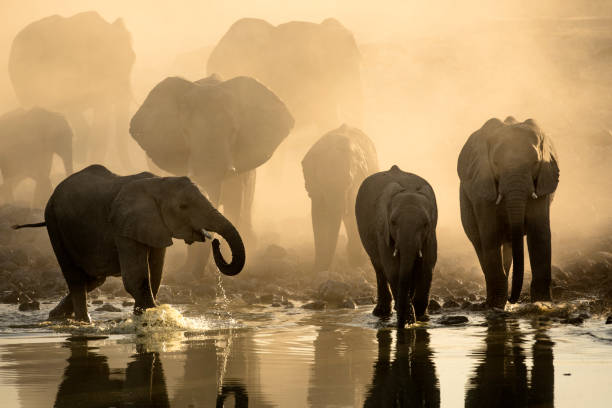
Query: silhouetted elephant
28	140
314	68
334	168
409	380
73	65
509	172
101	224
217	132
397	216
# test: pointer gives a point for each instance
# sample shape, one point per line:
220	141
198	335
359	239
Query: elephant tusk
499	198
206	233
534	195
395	252
420	253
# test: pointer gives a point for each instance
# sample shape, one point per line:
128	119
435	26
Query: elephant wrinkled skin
397	216
101	224
334	168
509	172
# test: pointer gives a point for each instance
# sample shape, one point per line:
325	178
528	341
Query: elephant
334	168
508	174
76	65
217	132
397	216
314	68
101	224
28	140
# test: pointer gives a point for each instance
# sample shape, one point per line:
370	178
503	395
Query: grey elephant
28	141
334	168
314	68
397	216
509	172
101	224
75	65
217	132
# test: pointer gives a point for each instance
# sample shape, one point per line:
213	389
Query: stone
288	305
364	300
348	303
97	302
127	303
575	320
451	304
453	320
434	306
333	291
12	297
267	298
276	304
28	306
249	298
316	305
108	308
609	320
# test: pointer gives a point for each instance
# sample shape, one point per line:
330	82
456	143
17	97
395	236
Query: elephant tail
37	225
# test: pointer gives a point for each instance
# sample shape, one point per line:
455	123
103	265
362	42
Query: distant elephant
101	224
74	65
397	216
218	133
28	140
334	168
515	165
314	68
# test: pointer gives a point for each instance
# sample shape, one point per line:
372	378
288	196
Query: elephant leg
470	225
82	135
63	310
383	299
354	248
491	259
507	257
43	191
156	266
133	260
538	244
421	291
326	218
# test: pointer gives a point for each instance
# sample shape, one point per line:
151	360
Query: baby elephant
101	224
396	217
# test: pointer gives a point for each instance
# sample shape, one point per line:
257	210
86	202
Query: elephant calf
101	224
28	140
396	216
509	172
334	168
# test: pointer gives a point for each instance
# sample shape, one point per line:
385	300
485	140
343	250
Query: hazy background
432	74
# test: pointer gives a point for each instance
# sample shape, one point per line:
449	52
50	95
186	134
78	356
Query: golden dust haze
432	73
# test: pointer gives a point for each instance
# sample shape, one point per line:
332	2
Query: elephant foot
83	318
497	303
423	318
63	310
382	310
541	295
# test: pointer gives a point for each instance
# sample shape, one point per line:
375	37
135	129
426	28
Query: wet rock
288	305
478	307
453	320
609	320
558	275
28	306
266	299
276	304
434	306
249	298
348	304
451	304
127	303
333	292
316	305
97	302
576	320
365	300
11	297
472	297
108	308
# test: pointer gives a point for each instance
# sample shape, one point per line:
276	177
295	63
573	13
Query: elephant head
154	210
406	233
510	163
210	128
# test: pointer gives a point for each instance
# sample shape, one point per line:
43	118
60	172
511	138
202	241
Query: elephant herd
218	130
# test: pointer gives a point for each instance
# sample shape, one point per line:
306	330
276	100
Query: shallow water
265	356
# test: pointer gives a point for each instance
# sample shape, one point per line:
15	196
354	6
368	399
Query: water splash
223	313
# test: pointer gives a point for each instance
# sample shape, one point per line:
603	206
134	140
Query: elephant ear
474	167
264	122
135	214
384	210
548	176
157	126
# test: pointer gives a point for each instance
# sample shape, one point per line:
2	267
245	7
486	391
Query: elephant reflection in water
88	381
501	378
410	379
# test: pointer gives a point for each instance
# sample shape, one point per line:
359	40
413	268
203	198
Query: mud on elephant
397	216
101	224
334	168
509	172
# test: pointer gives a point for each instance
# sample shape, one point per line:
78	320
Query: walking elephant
397	216
334	168
217	132
101	224
509	172
78	65
314	68
28	140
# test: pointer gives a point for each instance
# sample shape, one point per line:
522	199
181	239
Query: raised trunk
515	205
409	262
224	228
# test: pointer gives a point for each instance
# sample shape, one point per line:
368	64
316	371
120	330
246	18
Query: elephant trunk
515	204
326	219
231	235
409	262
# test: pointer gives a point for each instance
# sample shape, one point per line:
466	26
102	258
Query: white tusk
534	195
420	253
206	233
395	252
499	198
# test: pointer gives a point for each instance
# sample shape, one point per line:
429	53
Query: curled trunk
516	216
231	235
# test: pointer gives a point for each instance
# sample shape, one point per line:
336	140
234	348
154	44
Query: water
262	356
